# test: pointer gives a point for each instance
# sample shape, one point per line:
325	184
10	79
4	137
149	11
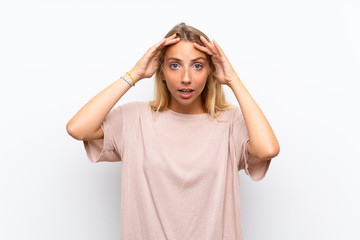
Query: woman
181	153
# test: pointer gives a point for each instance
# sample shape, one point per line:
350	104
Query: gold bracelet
131	77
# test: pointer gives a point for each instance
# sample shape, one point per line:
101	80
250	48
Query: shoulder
134	106
132	109
230	114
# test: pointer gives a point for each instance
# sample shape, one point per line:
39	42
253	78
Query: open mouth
186	91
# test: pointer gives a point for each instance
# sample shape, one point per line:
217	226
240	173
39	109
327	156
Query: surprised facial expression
185	71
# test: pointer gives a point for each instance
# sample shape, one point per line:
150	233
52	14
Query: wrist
234	82
135	75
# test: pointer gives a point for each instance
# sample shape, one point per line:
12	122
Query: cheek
206	71
170	81
168	74
204	76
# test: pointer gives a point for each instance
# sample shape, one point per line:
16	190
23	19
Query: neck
193	109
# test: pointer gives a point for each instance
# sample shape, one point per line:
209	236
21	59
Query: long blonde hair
212	97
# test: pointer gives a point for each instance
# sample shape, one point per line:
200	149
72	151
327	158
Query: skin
263	145
185	67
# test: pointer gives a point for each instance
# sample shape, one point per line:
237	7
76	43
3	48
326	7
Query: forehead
184	50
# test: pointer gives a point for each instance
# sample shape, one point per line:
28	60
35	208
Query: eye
198	66
174	65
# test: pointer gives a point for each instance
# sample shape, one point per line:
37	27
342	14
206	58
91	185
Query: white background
300	60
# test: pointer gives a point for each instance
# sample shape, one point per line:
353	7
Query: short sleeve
240	140
107	149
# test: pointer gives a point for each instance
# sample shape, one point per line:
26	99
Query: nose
186	78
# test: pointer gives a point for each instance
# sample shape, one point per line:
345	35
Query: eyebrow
179	60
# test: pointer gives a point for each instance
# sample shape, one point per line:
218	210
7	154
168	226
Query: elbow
269	152
272	151
72	131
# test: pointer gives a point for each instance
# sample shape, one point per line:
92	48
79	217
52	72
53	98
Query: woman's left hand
224	71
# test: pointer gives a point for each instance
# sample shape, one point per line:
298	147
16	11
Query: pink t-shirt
179	171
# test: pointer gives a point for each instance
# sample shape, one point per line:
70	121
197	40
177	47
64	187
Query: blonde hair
212	97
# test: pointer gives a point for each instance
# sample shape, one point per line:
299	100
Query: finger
203	49
152	51
164	40
159	43
208	44
163	43
172	36
219	49
216	49
172	41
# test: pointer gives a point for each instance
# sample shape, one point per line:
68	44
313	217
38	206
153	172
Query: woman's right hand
148	64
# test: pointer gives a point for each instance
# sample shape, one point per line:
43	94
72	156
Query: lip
185	89
185	95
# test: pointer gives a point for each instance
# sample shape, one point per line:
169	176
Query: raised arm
263	144
86	123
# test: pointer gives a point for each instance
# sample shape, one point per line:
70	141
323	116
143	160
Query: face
185	70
